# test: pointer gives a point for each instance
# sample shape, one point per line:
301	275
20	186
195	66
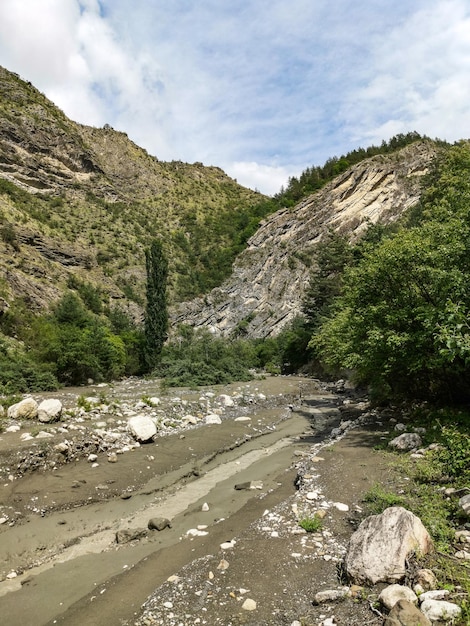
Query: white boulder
213	418
142	428
406	441
379	548
27	409
393	593
437	610
49	410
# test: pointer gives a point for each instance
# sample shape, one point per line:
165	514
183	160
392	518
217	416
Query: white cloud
269	178
268	88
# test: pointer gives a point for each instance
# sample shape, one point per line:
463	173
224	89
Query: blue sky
261	88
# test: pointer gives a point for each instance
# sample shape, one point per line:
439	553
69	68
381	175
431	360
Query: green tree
401	321
156	313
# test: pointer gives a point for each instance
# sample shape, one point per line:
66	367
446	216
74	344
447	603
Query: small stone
434	594
14	428
11	575
112	457
391	594
158	523
168	605
205	507
252	484
92	458
249	605
340	506
436	610
195	532
213	418
228	545
130	534
223	565
312	495
426	579
330	595
463	555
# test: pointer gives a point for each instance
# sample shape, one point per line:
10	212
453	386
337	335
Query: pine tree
156	315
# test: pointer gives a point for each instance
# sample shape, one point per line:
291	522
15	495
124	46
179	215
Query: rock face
269	278
379	548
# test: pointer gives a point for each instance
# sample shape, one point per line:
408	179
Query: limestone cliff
269	278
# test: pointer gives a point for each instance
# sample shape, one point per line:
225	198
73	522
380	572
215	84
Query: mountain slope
269	278
86	202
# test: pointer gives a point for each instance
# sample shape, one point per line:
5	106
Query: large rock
142	428
406	441
379	548
405	613
440	610
393	593
27	409
49	410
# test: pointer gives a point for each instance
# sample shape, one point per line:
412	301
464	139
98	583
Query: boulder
142	428
440	610
405	613
378	550
393	593
158	523
464	504
49	410
225	400
213	418
406	441
27	409
130	534
426	579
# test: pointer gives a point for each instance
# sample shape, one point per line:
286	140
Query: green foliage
156	313
311	524
196	358
400	322
314	178
333	254
90	295
19	373
378	499
8	235
77	344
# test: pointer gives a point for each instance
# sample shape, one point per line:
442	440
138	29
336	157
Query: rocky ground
228	478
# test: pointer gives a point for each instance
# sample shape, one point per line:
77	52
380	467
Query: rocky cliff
269	278
83	202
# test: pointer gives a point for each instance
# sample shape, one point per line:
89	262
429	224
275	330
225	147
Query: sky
261	88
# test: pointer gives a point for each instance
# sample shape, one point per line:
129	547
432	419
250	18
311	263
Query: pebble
249	605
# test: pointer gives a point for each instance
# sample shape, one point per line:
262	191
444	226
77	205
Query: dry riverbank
62	547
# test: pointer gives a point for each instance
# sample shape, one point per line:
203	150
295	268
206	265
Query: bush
196	358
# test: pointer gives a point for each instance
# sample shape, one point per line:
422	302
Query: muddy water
67	557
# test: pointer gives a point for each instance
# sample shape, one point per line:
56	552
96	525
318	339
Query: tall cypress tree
156	314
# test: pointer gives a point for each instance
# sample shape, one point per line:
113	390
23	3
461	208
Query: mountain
81	204
266	288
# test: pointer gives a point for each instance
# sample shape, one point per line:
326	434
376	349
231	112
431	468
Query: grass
311	524
447	465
